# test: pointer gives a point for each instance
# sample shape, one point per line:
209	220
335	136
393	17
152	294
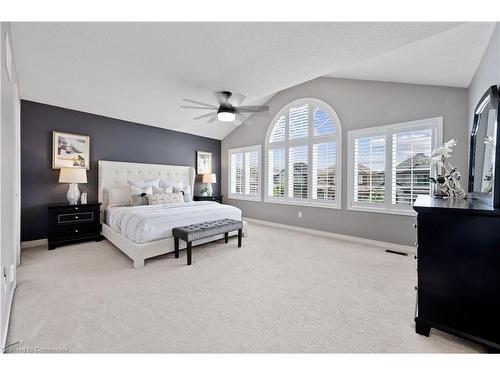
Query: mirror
484	137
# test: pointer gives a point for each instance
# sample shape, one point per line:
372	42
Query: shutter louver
369	169
297	172
324	165
299	122
411	152
276	170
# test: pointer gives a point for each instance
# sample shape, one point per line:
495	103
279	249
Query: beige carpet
282	291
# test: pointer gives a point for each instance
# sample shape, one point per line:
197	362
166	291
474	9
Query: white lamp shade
209	178
73	175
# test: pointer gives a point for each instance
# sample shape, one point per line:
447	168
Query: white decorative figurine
447	176
83	198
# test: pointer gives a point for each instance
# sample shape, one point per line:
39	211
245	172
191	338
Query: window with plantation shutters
244	179
389	166
303	155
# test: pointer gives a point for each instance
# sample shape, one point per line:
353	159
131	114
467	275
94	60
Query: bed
143	232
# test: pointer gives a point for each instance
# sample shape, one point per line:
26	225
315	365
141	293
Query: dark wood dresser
73	223
212	198
458	269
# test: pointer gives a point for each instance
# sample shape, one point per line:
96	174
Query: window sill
245	198
306	204
383	211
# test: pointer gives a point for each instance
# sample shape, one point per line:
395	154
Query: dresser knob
76	217
76	208
76	230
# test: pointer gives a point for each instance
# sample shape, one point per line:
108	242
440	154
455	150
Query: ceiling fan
228	109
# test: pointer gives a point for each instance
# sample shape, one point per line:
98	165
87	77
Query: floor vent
396	252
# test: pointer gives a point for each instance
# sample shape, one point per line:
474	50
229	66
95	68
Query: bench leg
226	237
240	232
189	253
176	244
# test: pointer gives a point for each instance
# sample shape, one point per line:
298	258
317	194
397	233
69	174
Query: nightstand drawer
80	217
76	230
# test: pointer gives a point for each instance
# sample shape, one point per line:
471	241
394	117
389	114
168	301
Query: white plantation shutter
411	153
324	165
276	173
236	173
369	169
244	182
278	132
323	123
252	173
389	166
297	172
298	122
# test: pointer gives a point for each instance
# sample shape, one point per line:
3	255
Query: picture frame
203	162
70	150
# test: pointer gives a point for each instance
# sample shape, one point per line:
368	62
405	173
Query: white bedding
143	224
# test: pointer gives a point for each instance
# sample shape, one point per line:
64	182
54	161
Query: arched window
303	155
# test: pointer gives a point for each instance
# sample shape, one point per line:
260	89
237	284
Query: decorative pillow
165	198
166	186
161	190
134	190
185	190
144	183
139	200
118	196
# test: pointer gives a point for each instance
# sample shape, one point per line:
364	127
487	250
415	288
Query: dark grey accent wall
110	139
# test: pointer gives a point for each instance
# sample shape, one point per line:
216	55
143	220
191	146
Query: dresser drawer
80	217
76	230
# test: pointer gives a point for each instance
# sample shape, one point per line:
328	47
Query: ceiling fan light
226	116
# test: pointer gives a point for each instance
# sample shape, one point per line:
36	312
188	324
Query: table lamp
73	177
209	179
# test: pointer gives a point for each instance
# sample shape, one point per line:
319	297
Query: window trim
309	141
244	197
436	123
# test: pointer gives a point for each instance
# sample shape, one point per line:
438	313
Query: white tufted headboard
116	173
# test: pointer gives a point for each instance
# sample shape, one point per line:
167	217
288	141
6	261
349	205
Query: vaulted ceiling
140	72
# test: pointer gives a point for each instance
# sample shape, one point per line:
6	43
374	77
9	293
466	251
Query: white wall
359	104
9	180
488	72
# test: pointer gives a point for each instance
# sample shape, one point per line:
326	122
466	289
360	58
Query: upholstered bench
193	232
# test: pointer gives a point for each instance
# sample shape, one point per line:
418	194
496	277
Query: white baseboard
338	236
41	242
7	324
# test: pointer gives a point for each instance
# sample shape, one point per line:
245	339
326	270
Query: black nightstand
73	223
212	198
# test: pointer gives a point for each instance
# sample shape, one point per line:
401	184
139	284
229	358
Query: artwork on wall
70	150
203	162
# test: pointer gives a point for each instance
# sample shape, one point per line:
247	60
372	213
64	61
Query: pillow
134	190
186	190
139	200
144	183
160	190
166	186
118	196
165	198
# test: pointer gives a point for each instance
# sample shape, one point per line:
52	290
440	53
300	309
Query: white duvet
143	224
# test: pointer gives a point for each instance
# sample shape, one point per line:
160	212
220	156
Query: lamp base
73	194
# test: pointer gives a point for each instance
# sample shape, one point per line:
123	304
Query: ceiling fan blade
193	107
220	96
236	99
212	119
252	109
200	103
205	116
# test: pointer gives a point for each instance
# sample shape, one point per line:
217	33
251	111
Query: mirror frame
493	94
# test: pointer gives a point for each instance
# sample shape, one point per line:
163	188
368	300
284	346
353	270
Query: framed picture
70	150
203	162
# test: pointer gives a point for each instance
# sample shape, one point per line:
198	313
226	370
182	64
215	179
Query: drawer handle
76	217
76	208
76	230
